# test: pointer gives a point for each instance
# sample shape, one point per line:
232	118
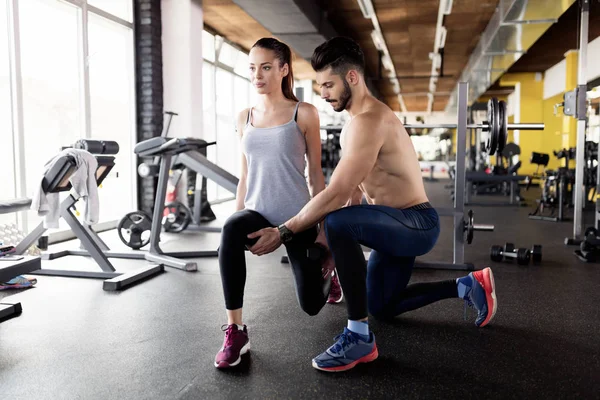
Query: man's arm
361	148
355	197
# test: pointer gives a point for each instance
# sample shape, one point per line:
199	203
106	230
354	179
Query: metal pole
459	183
536	126
159	203
581	118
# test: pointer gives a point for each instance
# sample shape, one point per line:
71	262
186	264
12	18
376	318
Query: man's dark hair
341	54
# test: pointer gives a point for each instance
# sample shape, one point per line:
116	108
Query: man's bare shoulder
368	120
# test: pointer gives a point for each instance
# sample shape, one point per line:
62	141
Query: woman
278	136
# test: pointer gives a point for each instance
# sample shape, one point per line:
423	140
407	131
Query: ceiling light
443	33
377	40
366	8
387	63
448	7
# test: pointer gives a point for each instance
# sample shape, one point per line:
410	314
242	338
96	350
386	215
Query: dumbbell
536	253
497	253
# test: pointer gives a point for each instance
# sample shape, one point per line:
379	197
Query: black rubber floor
158	340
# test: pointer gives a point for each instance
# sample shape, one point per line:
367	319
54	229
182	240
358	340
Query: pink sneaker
335	292
236	344
327	265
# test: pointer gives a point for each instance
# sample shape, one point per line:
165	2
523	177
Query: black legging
311	289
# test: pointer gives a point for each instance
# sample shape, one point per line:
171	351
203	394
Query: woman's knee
236	225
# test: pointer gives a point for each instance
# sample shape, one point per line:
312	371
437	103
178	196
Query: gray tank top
277	186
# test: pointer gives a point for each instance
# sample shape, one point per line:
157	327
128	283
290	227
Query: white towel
84	185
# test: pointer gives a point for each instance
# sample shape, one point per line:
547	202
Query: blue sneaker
348	351
19	282
480	292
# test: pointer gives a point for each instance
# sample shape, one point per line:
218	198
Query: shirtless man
398	223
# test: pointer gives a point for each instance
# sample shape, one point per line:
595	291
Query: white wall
593	59
555	80
555	77
182	25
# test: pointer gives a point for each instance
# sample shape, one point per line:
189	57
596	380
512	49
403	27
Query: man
398	223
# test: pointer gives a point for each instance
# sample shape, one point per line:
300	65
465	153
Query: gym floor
158	339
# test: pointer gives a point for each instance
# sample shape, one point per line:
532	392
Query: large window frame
216	194
16	85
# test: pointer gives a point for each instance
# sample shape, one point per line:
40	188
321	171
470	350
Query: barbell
497	125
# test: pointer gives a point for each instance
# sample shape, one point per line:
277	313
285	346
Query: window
228	55
7	160
242	65
50	60
240	95
210	134
112	91
118	8
208	46
226	138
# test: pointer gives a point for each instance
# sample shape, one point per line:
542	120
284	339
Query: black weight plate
523	256
591	230
492	116
496	253
134	229
537	253
503	125
177	217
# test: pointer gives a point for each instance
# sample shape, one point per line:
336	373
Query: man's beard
344	100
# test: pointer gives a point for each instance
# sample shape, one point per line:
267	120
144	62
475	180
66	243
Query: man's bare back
395	180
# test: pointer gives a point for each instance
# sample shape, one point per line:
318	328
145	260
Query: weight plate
134	229
469	227
591	230
523	256
176	217
537	253
509	248
496	253
493	123
503	125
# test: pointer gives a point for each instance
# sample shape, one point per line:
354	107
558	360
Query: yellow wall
531	110
569	124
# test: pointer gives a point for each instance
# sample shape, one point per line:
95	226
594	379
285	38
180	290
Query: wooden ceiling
408	27
551	47
561	37
230	21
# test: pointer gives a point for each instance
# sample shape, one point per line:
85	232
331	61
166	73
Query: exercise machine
56	180
178	216
11	265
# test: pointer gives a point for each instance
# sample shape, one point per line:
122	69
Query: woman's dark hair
284	55
341	54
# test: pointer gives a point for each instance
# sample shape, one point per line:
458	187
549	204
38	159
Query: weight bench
12	266
56	180
476	176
